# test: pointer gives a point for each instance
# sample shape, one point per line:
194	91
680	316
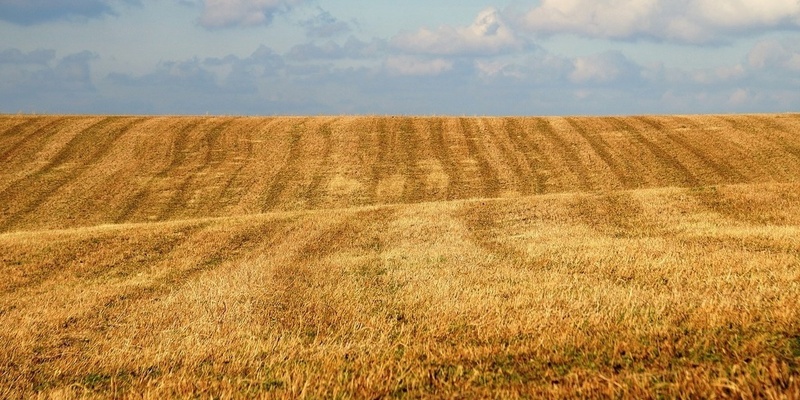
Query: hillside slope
77	171
639	257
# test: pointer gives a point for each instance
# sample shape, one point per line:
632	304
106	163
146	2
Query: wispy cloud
17	56
406	65
775	54
242	13
488	34
683	21
498	63
325	25
604	68
353	48
40	72
29	12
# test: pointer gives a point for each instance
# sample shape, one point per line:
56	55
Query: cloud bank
682	21
488	35
488	66
775	54
391	82
325	25
242	13
29	12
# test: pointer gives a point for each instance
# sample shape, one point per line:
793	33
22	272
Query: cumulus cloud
775	54
684	21
243	75
173	74
488	34
231	13
377	78
39	73
404	65
210	76
353	48
534	83
38	82
29	12
739	97
718	75
16	56
604	68
497	68
325	25
76	68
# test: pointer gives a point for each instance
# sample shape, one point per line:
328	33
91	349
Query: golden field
640	257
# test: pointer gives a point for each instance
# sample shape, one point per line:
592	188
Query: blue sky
458	57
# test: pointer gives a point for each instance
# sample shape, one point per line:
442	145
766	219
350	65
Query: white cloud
403	65
229	13
30	12
604	68
775	54
324	25
38	75
497	68
353	48
16	56
748	13
739	97
488	34
718	75
685	21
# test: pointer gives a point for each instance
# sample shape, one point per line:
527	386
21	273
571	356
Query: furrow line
105	313
179	148
316	193
510	156
483	224
721	168
237	245
96	138
617	215
45	132
290	164
229	187
209	142
178	157
69	259
17	131
748	151
384	164
490	180
409	142
534	156
566	151
441	149
773	126
354	232
664	158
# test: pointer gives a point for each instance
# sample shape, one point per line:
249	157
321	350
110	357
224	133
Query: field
644	257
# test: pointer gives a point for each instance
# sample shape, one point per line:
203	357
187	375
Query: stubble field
651	256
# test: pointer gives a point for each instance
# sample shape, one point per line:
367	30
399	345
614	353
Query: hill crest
65	171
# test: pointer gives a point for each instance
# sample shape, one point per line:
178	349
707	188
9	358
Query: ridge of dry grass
68	171
637	257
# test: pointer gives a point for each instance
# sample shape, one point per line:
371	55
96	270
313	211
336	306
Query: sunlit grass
328	279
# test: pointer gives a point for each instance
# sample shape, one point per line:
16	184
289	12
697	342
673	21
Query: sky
448	57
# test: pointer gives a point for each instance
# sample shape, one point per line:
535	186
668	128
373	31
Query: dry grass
639	257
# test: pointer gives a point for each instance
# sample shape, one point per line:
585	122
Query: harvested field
647	256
